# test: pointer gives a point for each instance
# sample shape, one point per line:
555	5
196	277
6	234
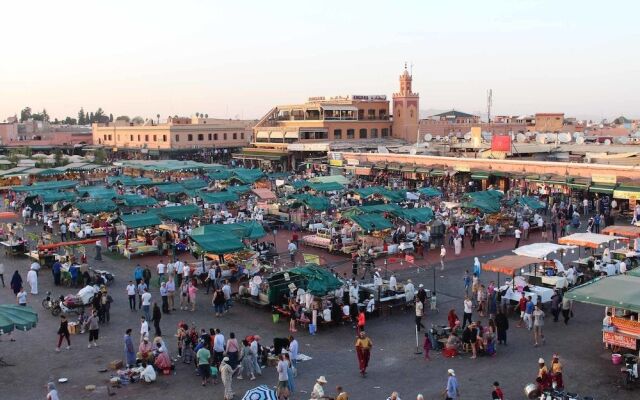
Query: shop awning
540	250
586	239
408	168
625	192
218	197
620	291
509	265
436	172
177	213
531	202
97	192
291	135
46	185
371	222
135	221
479	175
630	231
414	215
134	200
170	188
394	167
96	206
218	244
336	107
219	175
276	135
602	188
578	183
326	186
317	203
380	166
262	135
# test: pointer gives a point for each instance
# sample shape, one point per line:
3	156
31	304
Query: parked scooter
629	371
101	277
48	302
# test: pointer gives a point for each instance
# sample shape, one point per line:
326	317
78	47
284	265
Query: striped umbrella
261	392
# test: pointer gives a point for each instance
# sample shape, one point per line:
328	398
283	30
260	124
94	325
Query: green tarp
532	202
371	222
330	178
219	175
218	197
299	184
194	184
96	206
602	188
97	192
311	277
135	200
58	185
53	196
177	213
134	221
326	187
170	188
379	208
430	191
414	215
219	244
128	180
15	317
50	172
239	189
487	201
392	195
313	202
251	230
245	175
620	291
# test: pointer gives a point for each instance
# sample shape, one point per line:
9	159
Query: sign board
476	136
308	147
601	178
375	97
316	98
618	339
335	163
632	202
353	162
462	168
501	143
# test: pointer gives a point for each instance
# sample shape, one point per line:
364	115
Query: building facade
177	134
457	123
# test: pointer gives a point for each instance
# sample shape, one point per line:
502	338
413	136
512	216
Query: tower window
363	133
224	136
235	136
177	138
351	133
215	136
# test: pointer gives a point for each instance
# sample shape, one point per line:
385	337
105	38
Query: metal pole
418	351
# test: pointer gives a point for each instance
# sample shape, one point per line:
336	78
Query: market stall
551	274
138	244
513	289
621	296
596	263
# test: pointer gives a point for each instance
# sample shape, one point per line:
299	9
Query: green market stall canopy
135	221
620	291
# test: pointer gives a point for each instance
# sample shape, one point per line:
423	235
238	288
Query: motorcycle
74	303
102	277
47	302
630	370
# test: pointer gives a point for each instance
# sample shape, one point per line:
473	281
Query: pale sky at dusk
239	58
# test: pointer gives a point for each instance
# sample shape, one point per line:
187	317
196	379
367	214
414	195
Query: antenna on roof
489	104
411	69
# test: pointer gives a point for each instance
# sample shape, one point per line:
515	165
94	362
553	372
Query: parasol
16	317
261	392
8	215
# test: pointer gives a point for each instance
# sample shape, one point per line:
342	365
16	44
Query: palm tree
197	115
158	116
206	115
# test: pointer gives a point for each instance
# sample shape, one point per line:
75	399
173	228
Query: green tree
70	121
55	121
137	120
81	119
58	158
110	117
87	120
99	156
45	115
25	114
92	118
124	118
98	114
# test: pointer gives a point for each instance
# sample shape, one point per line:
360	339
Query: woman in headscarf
226	373
477	267
16	282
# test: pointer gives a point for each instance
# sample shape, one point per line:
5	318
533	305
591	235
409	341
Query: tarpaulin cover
330	178
371	222
243	230
620	291
170	188
13	316
299	184
46	185
313	202
414	215
487	201
96	206
194	183
97	192
134	200
239	189
540	250
509	264
134	221
246	175
218	244
128	180
218	197
219	175
532	202
326	187
622	230
314	279
430	191
53	196
177	213
586	239
378	208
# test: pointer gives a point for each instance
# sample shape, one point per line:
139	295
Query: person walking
98	250
63	333
16	283
164	295
156	317
131	293
517	233
146	303
468	311
290	374
502	325
497	393
452	391
204	364
171	292
232	349
538	323
146	275
129	350
419	315
93	323
293	350
21	297
2	274
426	346
218	302
567	311
144	328
226	373
528	313
443	253
32	280
52	392
192	291
246	363
282	388
292	249
140	290
363	350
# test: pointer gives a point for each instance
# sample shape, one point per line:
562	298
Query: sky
237	59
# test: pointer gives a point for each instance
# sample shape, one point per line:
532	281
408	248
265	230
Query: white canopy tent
586	239
541	250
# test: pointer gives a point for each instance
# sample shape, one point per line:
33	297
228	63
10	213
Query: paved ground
394	364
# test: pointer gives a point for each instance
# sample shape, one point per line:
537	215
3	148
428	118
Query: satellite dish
607	142
467	136
520	138
541	138
564	137
579	140
428	137
486	135
413	151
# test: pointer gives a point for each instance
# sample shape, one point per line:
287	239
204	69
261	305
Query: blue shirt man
452	390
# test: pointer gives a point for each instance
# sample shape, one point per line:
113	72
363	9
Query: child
426	346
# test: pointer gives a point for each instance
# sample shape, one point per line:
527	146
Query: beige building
549	122
177	133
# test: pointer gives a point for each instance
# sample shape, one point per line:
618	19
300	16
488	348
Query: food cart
620	295
590	265
552	273
512	289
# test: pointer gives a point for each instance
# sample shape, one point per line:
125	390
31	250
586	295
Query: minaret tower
406	109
